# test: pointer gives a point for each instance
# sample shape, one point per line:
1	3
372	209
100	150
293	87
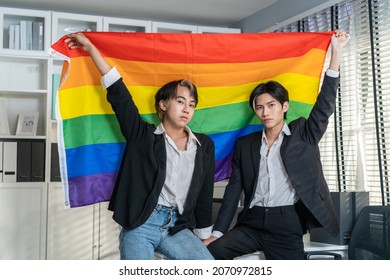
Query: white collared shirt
180	167
274	187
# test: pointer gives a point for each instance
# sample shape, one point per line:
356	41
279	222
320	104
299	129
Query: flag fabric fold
224	67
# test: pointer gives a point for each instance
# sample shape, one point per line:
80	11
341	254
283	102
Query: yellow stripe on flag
89	100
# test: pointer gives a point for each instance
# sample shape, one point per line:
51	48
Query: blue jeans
141	243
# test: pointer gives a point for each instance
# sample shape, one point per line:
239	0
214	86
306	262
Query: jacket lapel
255	154
161	157
195	184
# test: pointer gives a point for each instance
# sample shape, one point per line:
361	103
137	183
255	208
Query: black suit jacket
142	171
301	158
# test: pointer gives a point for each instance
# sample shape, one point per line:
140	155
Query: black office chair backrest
370	238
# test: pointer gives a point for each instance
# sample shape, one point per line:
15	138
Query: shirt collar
285	131
161	130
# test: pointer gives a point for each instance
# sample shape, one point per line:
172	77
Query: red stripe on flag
203	48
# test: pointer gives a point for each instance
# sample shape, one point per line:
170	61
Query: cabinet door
24	30
70	231
216	30
165	27
126	25
23	221
108	229
65	23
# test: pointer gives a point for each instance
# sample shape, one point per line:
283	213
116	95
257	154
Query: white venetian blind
356	146
379	138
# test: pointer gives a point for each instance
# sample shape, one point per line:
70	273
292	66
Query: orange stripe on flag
203	75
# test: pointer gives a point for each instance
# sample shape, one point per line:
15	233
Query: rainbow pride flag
224	67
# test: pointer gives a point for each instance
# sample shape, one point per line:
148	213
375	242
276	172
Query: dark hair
169	91
273	88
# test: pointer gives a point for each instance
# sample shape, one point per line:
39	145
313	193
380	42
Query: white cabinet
82	233
24	68
216	30
24	29
165	27
23	221
108	237
126	25
65	23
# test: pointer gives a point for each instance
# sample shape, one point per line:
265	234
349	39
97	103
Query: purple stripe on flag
223	168
86	190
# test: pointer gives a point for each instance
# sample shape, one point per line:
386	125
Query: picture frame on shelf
4	125
27	123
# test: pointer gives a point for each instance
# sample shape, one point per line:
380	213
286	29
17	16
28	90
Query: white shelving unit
37	225
24	89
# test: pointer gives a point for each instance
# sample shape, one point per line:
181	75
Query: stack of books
27	35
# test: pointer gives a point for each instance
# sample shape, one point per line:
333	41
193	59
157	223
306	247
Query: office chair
370	237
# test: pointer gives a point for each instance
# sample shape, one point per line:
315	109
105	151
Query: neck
174	132
273	133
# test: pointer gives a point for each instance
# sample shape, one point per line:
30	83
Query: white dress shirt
180	166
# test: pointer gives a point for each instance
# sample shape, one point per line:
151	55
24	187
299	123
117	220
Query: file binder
55	175
37	161
9	162
1	161
23	162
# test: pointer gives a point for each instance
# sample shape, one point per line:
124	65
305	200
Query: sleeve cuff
111	77
217	233
332	73
203	233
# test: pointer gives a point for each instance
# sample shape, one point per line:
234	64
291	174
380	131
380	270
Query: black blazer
142	171
301	158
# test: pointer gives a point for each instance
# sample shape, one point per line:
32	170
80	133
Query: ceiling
200	12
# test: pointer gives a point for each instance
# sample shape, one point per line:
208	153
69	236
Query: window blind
356	146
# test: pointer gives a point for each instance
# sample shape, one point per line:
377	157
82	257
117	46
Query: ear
162	105
285	106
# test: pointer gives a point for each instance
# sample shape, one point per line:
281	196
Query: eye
192	105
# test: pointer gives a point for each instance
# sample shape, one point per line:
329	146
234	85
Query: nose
265	111
185	109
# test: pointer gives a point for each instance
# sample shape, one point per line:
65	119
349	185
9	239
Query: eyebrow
182	97
272	101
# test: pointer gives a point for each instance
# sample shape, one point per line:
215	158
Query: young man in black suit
280	173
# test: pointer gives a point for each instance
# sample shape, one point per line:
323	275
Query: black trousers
276	231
